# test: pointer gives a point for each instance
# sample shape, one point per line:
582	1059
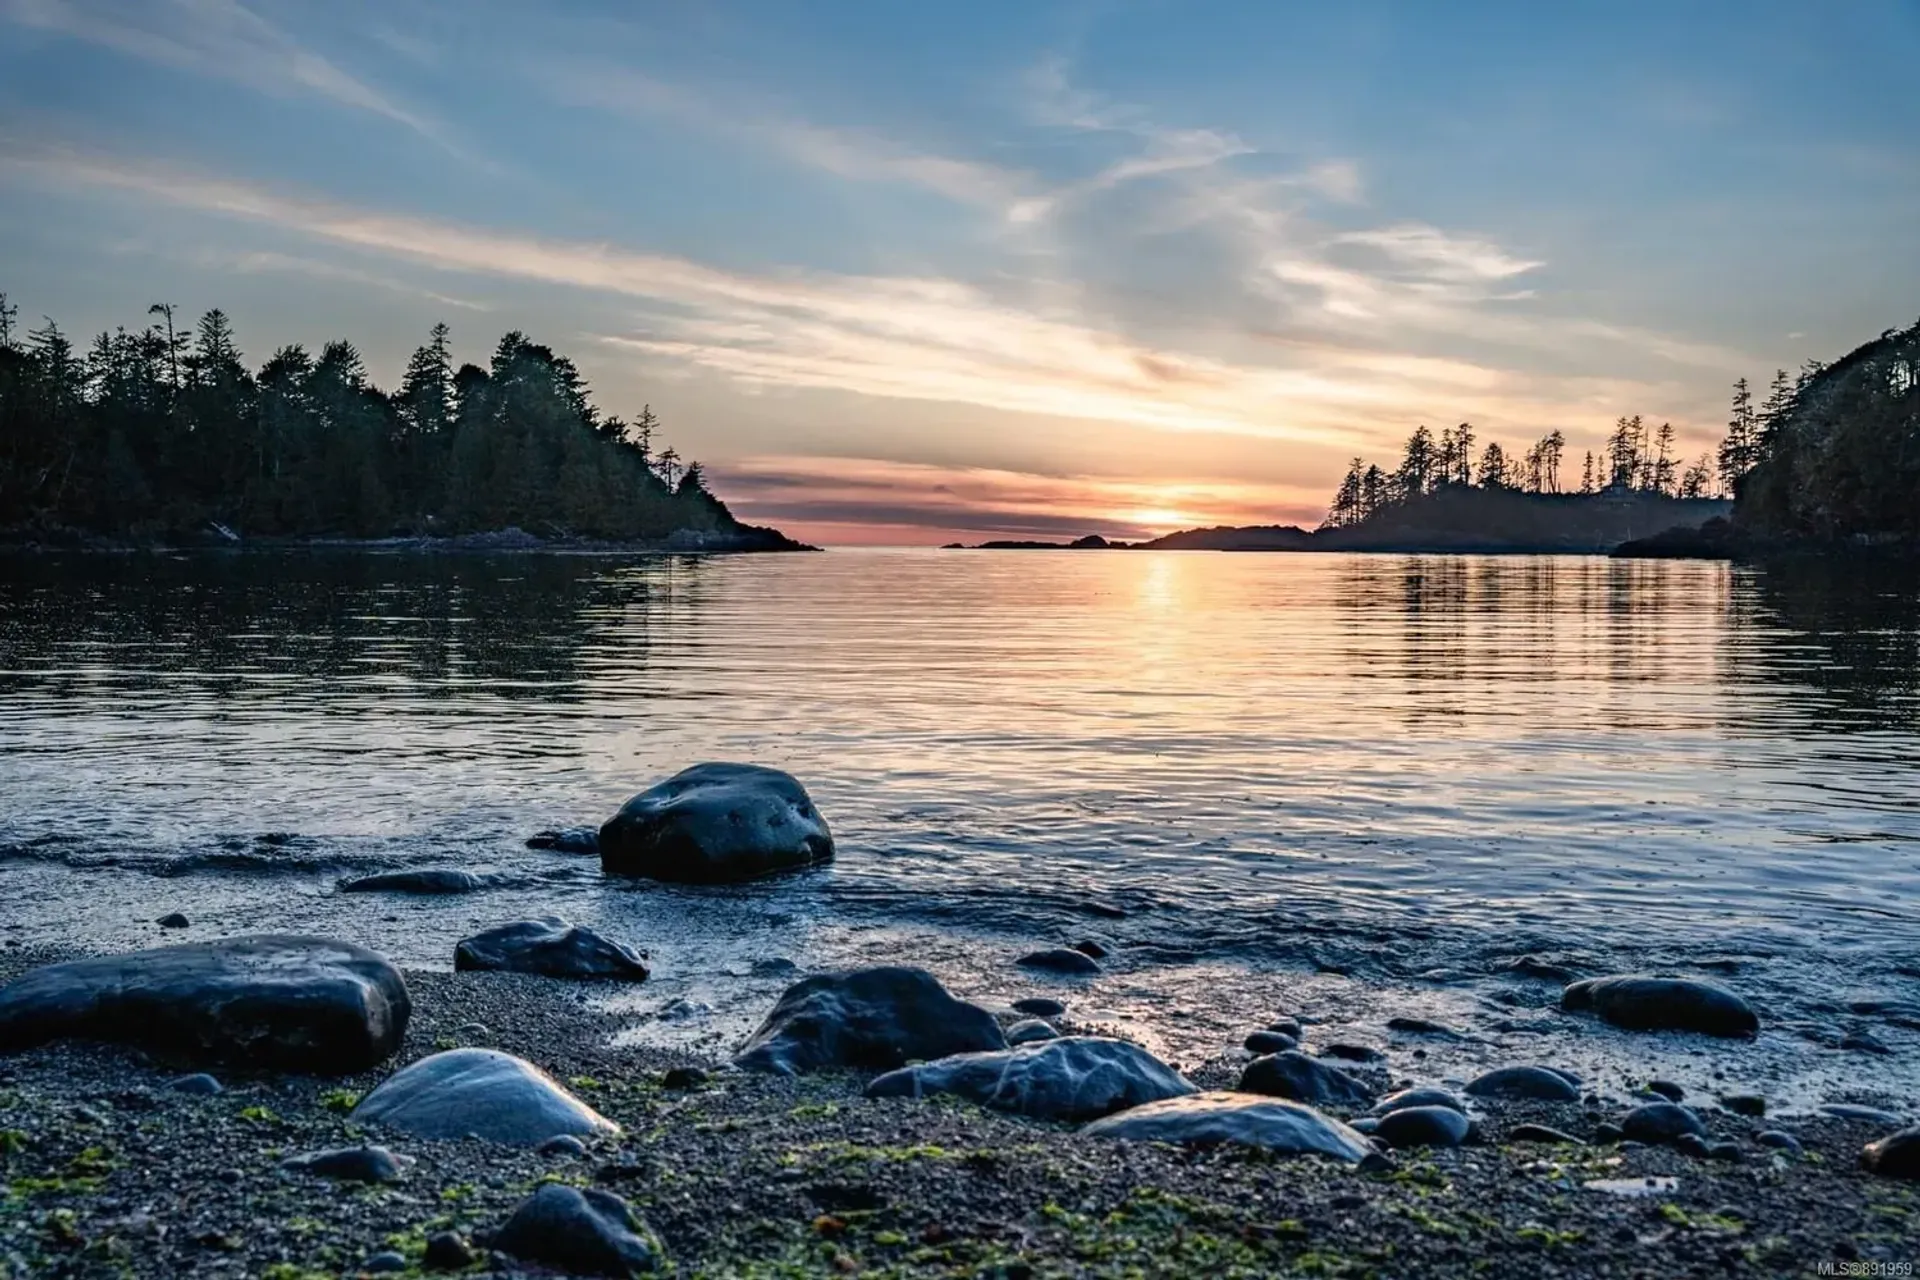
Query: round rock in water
580	840
1661	1122
1640	1003
1064	960
481	1093
1029	1030
589	1232
272	1000
1422	1127
877	1019
1538	1083
436	880
1895	1156
1071	1078
1210	1118
1270	1042
1039	1006
716	824
1295	1076
551	947
1425	1096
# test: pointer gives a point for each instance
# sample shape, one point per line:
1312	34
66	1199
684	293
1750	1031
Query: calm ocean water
1382	765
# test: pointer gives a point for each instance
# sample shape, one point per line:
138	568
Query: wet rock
591	1232
1425	1096
716	824
1667	1089
1295	1076
1270	1042
1854	1111
683	1078
1864	1042
348	1164
580	840
551	947
1541	1133
447	1251
1364	1124
1691	1144
1039	1006
877	1019
173	920
1539	1083
436	880
1607	1132
1660	1122
1030	1030
1353	1053
1422	1027
1535	967
1744	1104
385	1262
480	1093
1287	1027
1211	1118
1728	1152
1895	1156
271	1000
1422	1127
1063	960
564	1145
1071	1078
1641	1003
1088	947
197	1085
1779	1140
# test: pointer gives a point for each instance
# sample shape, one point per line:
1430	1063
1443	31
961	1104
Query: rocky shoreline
740	540
113	1170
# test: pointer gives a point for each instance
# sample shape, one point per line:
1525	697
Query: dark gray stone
580	840
1062	960
1641	1003
480	1093
1071	1078
1039	1006
1286	1027
875	1019
173	920
385	1262
591	1232
1211	1118
1088	947
1667	1089
1729	1152
1780	1140
1691	1144
683	1078
1425	1096
1854	1111
716	824
447	1251
1744	1104
434	880
1541	1133
1660	1122
1029	1030
1270	1042
1895	1156
348	1164
1538	1083
1865	1042
564	1145
551	947
1422	1027
279	1001
1422	1127
1295	1076
1606	1132
197	1085
1353	1052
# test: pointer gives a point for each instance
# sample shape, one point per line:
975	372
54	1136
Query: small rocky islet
294	1107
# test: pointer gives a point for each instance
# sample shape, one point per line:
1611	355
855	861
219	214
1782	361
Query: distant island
160	436
1830	461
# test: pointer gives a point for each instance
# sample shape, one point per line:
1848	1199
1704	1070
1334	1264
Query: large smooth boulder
1209	1118
590	1232
1295	1076
1434	1126
270	1000
1071	1078
1641	1003
1539	1083
1661	1122
877	1019
551	947
479	1093
716	824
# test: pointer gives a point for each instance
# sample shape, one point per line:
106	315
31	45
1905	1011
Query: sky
908	273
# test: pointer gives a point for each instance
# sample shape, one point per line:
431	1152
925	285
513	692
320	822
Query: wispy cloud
220	38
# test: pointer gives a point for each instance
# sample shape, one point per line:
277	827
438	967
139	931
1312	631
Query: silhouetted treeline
1836	455
160	430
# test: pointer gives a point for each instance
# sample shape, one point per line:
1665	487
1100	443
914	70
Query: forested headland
164	433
